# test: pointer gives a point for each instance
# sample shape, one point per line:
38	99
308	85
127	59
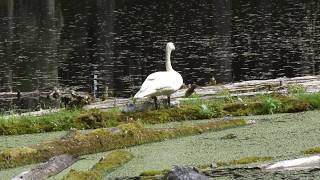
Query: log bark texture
294	164
50	168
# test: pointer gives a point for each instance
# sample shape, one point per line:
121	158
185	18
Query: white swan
163	82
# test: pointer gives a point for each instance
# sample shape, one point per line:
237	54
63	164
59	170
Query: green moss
82	175
315	150
313	99
238	109
242	161
18	156
294	105
183	113
104	166
97	119
108	139
152	173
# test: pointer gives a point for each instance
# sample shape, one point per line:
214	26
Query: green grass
62	120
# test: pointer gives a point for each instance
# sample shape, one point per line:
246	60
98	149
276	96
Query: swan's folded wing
160	83
155	82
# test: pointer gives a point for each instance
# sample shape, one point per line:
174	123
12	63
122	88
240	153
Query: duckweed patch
101	140
105	165
314	150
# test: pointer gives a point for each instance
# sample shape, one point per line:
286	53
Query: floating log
50	168
294	164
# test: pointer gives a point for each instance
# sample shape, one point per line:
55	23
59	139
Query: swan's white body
163	82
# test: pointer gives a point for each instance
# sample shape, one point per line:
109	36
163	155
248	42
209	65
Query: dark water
63	43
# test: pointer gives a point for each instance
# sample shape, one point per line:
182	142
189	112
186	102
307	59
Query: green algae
28	139
106	164
281	136
100	140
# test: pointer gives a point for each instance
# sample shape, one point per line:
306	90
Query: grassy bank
58	121
191	109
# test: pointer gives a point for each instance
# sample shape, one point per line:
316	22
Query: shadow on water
47	43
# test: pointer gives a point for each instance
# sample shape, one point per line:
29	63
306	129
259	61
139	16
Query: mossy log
245	88
50	168
105	139
106	165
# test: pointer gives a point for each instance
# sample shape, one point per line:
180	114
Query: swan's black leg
169	101
155	101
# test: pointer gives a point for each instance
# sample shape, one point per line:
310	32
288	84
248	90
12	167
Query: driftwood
294	164
50	168
308	167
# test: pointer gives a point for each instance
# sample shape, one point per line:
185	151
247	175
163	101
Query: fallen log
294	164
240	89
289	169
50	168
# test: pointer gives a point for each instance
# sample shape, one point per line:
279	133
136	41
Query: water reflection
47	43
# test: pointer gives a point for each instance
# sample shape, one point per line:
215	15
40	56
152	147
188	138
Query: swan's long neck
168	61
